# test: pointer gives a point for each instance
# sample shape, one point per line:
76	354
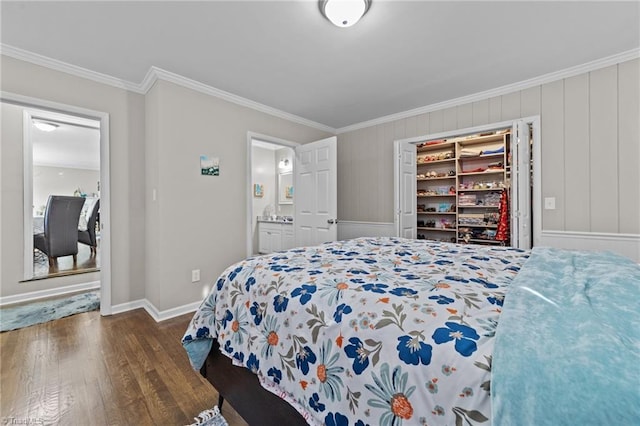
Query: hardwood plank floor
124	369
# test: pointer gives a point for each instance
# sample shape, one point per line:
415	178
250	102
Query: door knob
332	221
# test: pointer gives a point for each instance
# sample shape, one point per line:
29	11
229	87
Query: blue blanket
567	349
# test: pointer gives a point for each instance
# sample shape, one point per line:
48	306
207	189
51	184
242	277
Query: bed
392	331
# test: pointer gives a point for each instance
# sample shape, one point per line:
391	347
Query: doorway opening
478	185
65	161
270	206
54	110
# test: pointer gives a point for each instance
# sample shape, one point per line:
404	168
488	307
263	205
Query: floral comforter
373	331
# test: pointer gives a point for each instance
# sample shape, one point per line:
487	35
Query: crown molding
65	67
499	91
156	73
149	80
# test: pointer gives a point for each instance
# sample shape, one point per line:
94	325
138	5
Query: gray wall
156	139
126	112
198	222
590	142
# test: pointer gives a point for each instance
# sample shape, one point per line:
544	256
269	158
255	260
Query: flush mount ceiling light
344	13
45	126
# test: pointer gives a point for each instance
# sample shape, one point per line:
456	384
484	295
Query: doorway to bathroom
272	198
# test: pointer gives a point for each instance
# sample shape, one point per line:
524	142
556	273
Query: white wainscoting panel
627	245
351	229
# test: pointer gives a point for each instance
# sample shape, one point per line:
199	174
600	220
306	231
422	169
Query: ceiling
284	54
75	143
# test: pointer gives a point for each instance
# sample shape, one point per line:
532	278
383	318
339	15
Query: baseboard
156	314
50	292
627	245
352	229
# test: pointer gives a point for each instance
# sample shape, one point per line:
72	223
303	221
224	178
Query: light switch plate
195	275
549	203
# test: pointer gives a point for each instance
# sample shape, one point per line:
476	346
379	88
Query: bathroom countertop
276	220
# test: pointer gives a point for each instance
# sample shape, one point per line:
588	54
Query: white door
316	199
405	175
521	185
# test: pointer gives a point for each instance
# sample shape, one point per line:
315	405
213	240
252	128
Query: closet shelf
424	228
486	172
446	160
436	212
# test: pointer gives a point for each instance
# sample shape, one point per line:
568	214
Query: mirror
285	188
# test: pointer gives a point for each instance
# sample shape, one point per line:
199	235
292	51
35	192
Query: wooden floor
86	262
124	369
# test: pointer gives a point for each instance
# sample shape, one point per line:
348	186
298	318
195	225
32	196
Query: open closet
472	186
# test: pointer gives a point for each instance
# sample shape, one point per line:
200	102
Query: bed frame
239	386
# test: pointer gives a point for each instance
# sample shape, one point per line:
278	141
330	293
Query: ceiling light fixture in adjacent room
45	126
344	13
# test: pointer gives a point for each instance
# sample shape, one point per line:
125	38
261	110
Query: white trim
51	292
54	64
499	91
627	245
27	195
164	75
154	74
249	176
105	193
348	229
153	311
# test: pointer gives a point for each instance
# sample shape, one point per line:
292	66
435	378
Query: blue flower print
227	347
376	288
413	351
340	310
404	253
293	269
361	423
304	358
314	402
359	354
314	272
455	278
275	374
228	316
202	332
411	277
441	300
481	258
496	300
355	271
464	336
280	303
443	262
484	283
251	281
232	274
304	292
357	280
239	356
253	364
256	312
403	291
187	338
472	267
220	283
336	419
368	261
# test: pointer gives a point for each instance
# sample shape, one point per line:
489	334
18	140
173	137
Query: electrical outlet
195	275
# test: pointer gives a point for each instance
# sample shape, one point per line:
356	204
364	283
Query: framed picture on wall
258	190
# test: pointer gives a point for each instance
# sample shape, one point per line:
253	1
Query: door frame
536	202
249	185
31	103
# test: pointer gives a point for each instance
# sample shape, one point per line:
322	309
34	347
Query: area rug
13	318
211	417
